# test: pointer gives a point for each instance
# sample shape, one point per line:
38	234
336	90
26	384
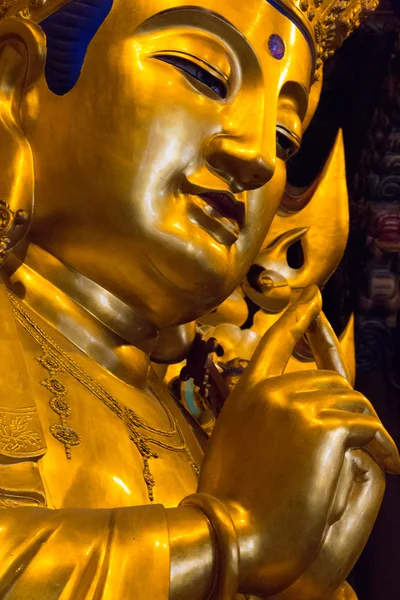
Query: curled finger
365	431
346	537
345	400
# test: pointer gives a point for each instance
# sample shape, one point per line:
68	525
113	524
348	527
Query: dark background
361	95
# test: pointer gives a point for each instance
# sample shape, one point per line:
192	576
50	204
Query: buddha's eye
286	143
201	74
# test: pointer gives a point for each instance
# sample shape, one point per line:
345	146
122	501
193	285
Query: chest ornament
144	436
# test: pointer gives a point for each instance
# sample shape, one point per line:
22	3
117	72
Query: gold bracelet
227	580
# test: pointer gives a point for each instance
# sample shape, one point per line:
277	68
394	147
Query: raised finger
277	345
326	348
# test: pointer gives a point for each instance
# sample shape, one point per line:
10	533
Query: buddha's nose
239	162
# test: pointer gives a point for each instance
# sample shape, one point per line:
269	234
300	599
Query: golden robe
84	527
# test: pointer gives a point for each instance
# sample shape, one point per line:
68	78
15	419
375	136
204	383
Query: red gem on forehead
276	46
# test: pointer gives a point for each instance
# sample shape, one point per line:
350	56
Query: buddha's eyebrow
201	18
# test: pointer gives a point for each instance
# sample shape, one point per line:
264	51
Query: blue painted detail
189	398
286	13
69	32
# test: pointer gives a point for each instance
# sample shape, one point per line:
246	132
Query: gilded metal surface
154	190
301	219
59	405
329	22
16	434
8	222
56	359
323	241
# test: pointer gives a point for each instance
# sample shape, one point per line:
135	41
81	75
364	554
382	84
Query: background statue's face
169	105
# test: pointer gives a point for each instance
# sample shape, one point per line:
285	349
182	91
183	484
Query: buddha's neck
99	324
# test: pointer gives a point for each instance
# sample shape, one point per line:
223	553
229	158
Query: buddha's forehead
248	13
255	21
252	17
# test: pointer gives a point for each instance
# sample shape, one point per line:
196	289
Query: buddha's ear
313	98
22	57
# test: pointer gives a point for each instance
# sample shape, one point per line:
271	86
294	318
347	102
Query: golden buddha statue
143	146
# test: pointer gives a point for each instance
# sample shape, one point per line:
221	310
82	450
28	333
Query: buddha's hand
298	459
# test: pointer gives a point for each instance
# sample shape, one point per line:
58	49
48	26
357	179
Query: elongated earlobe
22	58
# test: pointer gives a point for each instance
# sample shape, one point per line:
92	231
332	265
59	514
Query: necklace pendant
66	436
58	404
55	360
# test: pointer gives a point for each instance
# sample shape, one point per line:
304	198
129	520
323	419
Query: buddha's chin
188	293
195	263
196	281
183	310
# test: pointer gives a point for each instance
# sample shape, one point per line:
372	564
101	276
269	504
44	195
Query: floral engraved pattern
62	433
50	363
65	435
15	433
60	407
55	386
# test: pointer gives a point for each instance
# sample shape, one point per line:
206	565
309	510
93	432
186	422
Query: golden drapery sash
117	554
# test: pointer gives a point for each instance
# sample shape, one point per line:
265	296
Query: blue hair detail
69	32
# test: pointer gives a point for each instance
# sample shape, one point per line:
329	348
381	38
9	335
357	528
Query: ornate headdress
327	22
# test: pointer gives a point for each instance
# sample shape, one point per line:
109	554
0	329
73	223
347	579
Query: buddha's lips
225	205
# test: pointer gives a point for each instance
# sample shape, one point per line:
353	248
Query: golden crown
328	22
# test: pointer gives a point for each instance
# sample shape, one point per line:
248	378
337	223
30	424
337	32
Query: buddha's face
159	173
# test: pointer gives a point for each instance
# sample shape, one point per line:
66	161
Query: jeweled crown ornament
330	22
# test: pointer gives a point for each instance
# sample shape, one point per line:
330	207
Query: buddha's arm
104	554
